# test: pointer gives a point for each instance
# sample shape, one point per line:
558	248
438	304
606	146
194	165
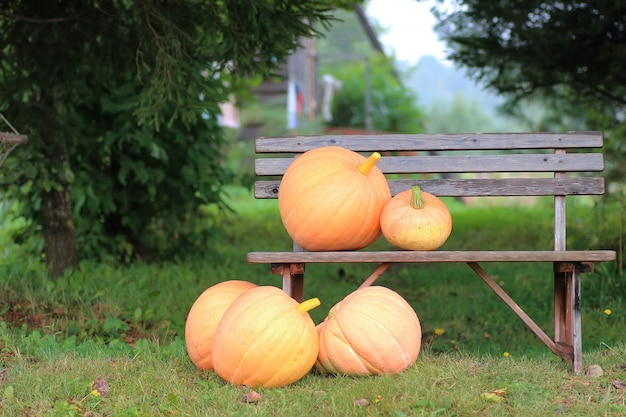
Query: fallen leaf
490	396
618	384
361	402
100	386
495	396
251	397
9	393
594	371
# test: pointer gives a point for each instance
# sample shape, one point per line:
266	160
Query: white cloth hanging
330	85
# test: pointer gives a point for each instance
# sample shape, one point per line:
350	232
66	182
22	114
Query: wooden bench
464	165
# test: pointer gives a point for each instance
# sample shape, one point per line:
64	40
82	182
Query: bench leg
567	315
293	279
528	321
567	343
377	273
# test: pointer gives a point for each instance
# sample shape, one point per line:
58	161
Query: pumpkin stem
307	305
367	166
417	198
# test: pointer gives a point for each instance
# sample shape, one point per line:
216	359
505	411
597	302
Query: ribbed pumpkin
331	198
265	338
372	331
204	316
416	220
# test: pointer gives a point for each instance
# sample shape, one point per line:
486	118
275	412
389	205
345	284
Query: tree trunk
58	227
60	240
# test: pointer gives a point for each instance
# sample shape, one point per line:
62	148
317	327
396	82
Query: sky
409	25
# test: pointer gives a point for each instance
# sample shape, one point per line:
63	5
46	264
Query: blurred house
299	83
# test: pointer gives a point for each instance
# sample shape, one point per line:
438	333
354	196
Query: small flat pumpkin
416	220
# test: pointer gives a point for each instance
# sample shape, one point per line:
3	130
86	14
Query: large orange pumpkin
331	198
204	316
265	338
372	331
416	220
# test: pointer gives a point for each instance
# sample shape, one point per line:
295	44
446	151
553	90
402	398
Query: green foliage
459	116
151	186
237	38
271	118
120	102
393	107
345	39
611	123
546	114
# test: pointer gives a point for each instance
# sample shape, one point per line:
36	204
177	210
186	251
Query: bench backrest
499	164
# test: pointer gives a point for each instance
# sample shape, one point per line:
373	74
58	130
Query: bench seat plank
478	187
432	142
591	162
431	256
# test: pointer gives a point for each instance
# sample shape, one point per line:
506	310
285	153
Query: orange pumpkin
416	220
331	198
372	331
265	338
205	315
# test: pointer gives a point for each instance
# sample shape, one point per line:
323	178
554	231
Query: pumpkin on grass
416	220
265	338
205	315
331	198
373	331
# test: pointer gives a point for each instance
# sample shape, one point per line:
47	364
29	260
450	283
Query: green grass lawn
125	324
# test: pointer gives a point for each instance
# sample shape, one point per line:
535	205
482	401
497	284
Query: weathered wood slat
584	162
505	186
430	142
431	256
478	187
13	138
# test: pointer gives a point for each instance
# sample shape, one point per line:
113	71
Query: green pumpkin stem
417	198
367	166
307	305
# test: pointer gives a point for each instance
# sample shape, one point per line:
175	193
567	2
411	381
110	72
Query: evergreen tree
120	101
568	49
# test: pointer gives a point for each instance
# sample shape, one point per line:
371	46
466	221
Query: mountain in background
434	81
452	101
